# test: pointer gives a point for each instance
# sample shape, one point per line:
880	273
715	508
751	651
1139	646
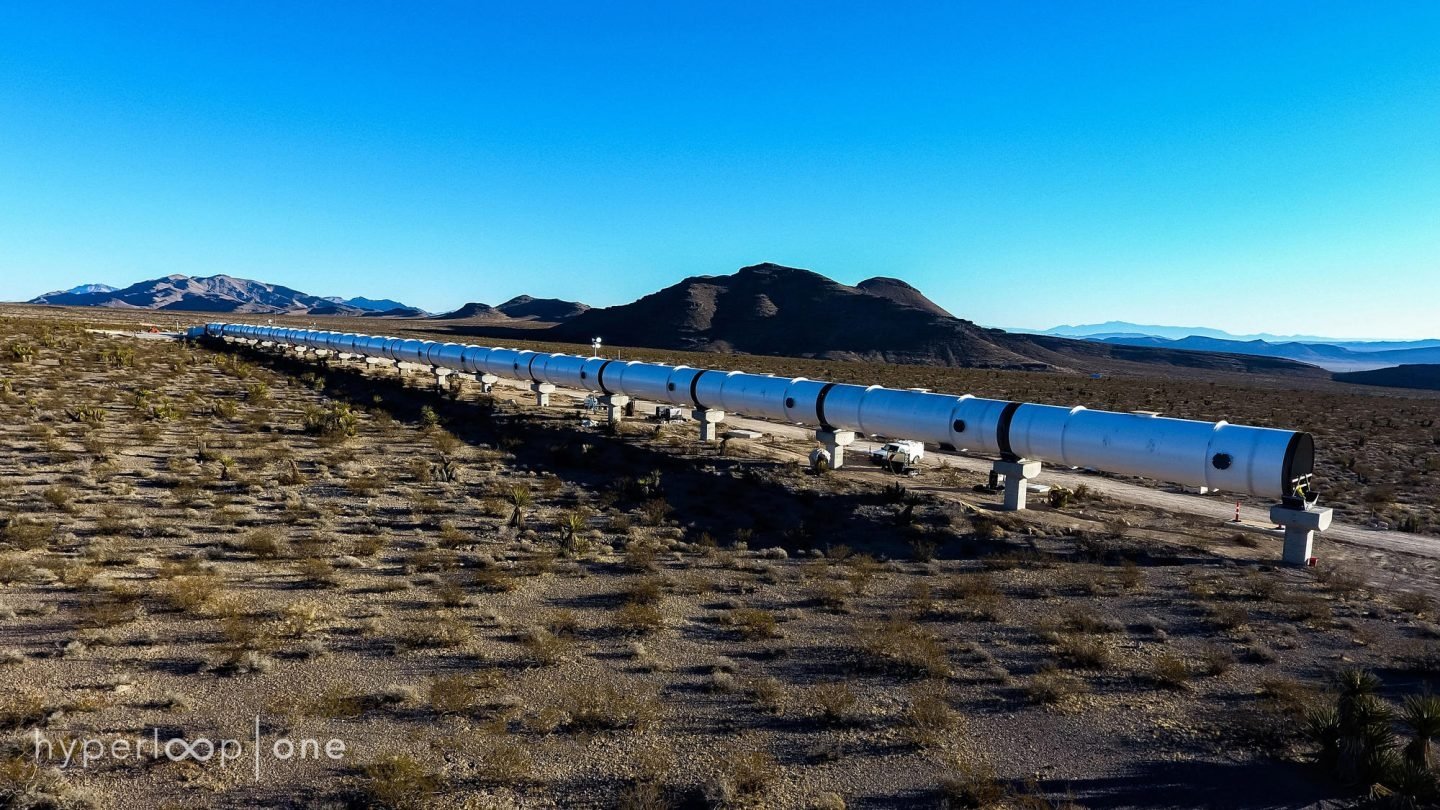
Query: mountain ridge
217	293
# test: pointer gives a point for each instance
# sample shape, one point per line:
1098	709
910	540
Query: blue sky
1250	166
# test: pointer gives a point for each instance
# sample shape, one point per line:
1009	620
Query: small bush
1170	671
399	782
753	623
639	618
833	701
609	706
1052	687
743	778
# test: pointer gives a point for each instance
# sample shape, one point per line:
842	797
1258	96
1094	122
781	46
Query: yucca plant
520	498
1420	714
571	524
1365	743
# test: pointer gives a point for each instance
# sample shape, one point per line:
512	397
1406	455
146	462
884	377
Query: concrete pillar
487	382
1017	474
709	423
379	361
1300	528
442	379
542	393
835	442
614	405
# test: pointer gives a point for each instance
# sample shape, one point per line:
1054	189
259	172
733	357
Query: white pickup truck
898	455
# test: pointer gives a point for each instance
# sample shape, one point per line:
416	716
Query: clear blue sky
1253	166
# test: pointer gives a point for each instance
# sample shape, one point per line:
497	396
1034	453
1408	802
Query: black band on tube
600	379
820	406
1002	430
694	396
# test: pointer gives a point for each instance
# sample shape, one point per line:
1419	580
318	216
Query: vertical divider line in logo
257	748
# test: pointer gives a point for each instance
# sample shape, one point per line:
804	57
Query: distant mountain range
1128	329
221	294
761	309
1327	353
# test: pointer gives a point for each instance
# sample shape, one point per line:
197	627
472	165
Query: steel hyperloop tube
1265	462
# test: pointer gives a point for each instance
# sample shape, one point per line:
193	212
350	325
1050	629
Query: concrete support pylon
614	405
1301	524
1016	474
542	393
835	442
709	423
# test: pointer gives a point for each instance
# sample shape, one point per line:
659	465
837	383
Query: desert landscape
493	605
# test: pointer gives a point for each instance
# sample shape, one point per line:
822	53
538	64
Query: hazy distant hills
1114	329
1328	353
220	294
771	309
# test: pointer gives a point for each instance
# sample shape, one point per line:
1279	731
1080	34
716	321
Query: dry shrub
544	648
1087	621
506	762
980	598
1085	652
399	782
27	534
902	646
265	544
444	632
929	716
753	623
833	701
1051	687
743	779
972	786
453	694
609	705
639	618
192	593
1170	671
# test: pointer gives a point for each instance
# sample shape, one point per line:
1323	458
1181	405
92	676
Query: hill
1424	376
535	311
771	309
552	310
474	310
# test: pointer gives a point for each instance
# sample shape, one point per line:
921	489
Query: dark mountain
553	310
207	294
771	309
377	304
901	293
1426	376
474	310
1325	355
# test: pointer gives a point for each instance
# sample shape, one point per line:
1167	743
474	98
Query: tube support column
487	382
1017	475
709	423
835	442
1300	528
542	393
614	405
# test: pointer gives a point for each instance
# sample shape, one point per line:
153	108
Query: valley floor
494	606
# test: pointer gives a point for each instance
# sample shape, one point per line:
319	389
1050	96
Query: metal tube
1237	458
